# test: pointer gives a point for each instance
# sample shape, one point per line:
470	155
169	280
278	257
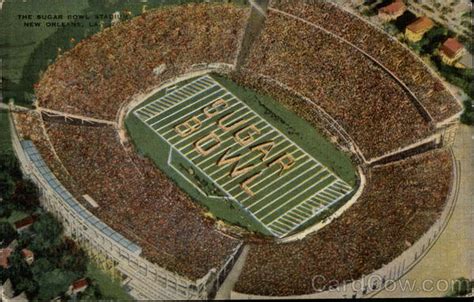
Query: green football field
248	156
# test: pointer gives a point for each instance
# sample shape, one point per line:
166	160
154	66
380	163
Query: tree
20	275
461	287
7	185
5	210
54	283
92	292
26	196
48	233
72	257
7	234
432	39
10	165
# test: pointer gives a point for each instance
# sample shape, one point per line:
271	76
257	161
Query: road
452	256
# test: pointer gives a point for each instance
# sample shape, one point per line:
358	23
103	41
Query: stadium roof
57	187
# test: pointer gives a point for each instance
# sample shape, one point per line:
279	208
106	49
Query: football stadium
291	136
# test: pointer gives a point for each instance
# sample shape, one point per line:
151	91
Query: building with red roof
451	51
415	31
24	223
78	286
392	11
4	254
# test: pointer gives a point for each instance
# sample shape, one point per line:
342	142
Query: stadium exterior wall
145	279
385	277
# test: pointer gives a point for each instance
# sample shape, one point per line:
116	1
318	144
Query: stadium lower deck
249	160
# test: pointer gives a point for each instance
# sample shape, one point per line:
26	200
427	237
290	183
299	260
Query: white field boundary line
320	180
174	92
229	196
275	129
320	210
217	92
169	162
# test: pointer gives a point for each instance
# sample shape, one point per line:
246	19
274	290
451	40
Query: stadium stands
139	201
102	72
400	202
398	59
368	103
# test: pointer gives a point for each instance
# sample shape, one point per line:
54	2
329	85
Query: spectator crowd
106	70
429	90
399	204
139	201
134	198
369	104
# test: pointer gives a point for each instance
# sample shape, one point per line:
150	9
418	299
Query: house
7	293
392	11
415	31
24	224
78	286
28	255
451	51
4	254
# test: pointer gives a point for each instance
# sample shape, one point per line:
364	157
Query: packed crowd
106	70
371	106
30	127
293	102
399	203
134	198
428	89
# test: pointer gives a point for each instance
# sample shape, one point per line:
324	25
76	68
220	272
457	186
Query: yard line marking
187	140
230	138
206	119
282	134
234	153
217	92
269	176
197	80
263	163
183	100
292	190
288	201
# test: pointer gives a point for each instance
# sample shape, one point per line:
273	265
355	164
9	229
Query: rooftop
24	222
4	254
421	24
393	7
451	47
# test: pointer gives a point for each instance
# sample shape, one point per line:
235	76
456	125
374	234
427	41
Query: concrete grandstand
369	95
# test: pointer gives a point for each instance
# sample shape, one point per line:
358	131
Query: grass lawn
5	138
14	216
109	288
299	131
